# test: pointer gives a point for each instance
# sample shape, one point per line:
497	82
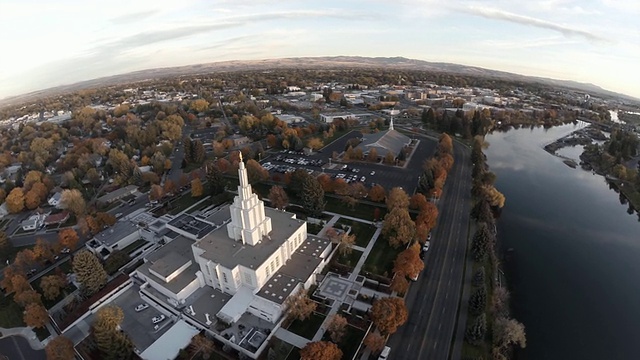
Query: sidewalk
352	277
293	339
26	333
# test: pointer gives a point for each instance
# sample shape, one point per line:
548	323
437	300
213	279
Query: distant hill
310	63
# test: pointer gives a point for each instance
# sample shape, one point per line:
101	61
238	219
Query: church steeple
248	222
391	124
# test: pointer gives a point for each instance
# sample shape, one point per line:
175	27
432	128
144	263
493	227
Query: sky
51	43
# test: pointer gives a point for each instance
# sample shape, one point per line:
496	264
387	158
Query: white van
384	355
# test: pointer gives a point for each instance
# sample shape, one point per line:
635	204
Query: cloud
137	16
496	14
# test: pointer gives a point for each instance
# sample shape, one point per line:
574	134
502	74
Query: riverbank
584	136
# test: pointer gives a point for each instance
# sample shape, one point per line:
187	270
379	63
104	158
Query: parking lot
138	324
385	175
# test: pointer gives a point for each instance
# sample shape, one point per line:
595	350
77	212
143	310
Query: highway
433	299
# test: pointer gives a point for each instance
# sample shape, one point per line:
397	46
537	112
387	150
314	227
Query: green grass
363	232
283	350
307	328
350	342
10	313
314	228
134	246
361	211
183	203
381	257
10	254
351	259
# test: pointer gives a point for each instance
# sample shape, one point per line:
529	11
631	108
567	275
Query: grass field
361	211
135	246
10	312
363	232
381	257
183	202
351	259
308	327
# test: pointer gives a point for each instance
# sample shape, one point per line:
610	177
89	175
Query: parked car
372	173
118	215
425	247
157	319
141	307
384	355
65	251
415	277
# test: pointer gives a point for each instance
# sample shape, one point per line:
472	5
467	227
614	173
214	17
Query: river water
576	263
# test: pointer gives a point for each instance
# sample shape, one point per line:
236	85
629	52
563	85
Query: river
577	251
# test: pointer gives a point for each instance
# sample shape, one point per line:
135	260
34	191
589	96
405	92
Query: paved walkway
352	277
293	339
349	217
26	333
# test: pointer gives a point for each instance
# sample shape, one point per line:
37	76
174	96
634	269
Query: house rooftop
117	194
219	248
115	233
297	269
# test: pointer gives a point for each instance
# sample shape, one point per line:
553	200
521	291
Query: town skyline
66	43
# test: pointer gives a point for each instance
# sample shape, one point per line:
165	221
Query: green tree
115	261
215	179
89	271
196	188
312	197
477	330
478	301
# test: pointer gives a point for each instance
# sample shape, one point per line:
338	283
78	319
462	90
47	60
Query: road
433	300
18	348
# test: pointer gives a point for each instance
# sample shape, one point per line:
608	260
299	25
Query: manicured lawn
10	312
351	259
42	333
182	203
381	257
361	211
282	350
362	231
314	228
135	246
350	342
308	327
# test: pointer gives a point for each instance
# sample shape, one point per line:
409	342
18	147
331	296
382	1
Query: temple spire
242	176
391	124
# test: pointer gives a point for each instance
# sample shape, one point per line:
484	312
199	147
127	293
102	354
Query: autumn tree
278	197
507	332
397	198
25	258
399	284
199	105
169	187
312	197
337	327
418	201
389	158
156	192
202	344
408	262
5	242
51	286
374	341
15	200
14	279
104	219
300	306
315	143
196	188
32	199
198	152
60	348
73	201
89	271
377	193
388	314
112	343
398	227
26	297
324	350
346	243
42	250
428	215
68	238
36	315
445	144
255	172
372	155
